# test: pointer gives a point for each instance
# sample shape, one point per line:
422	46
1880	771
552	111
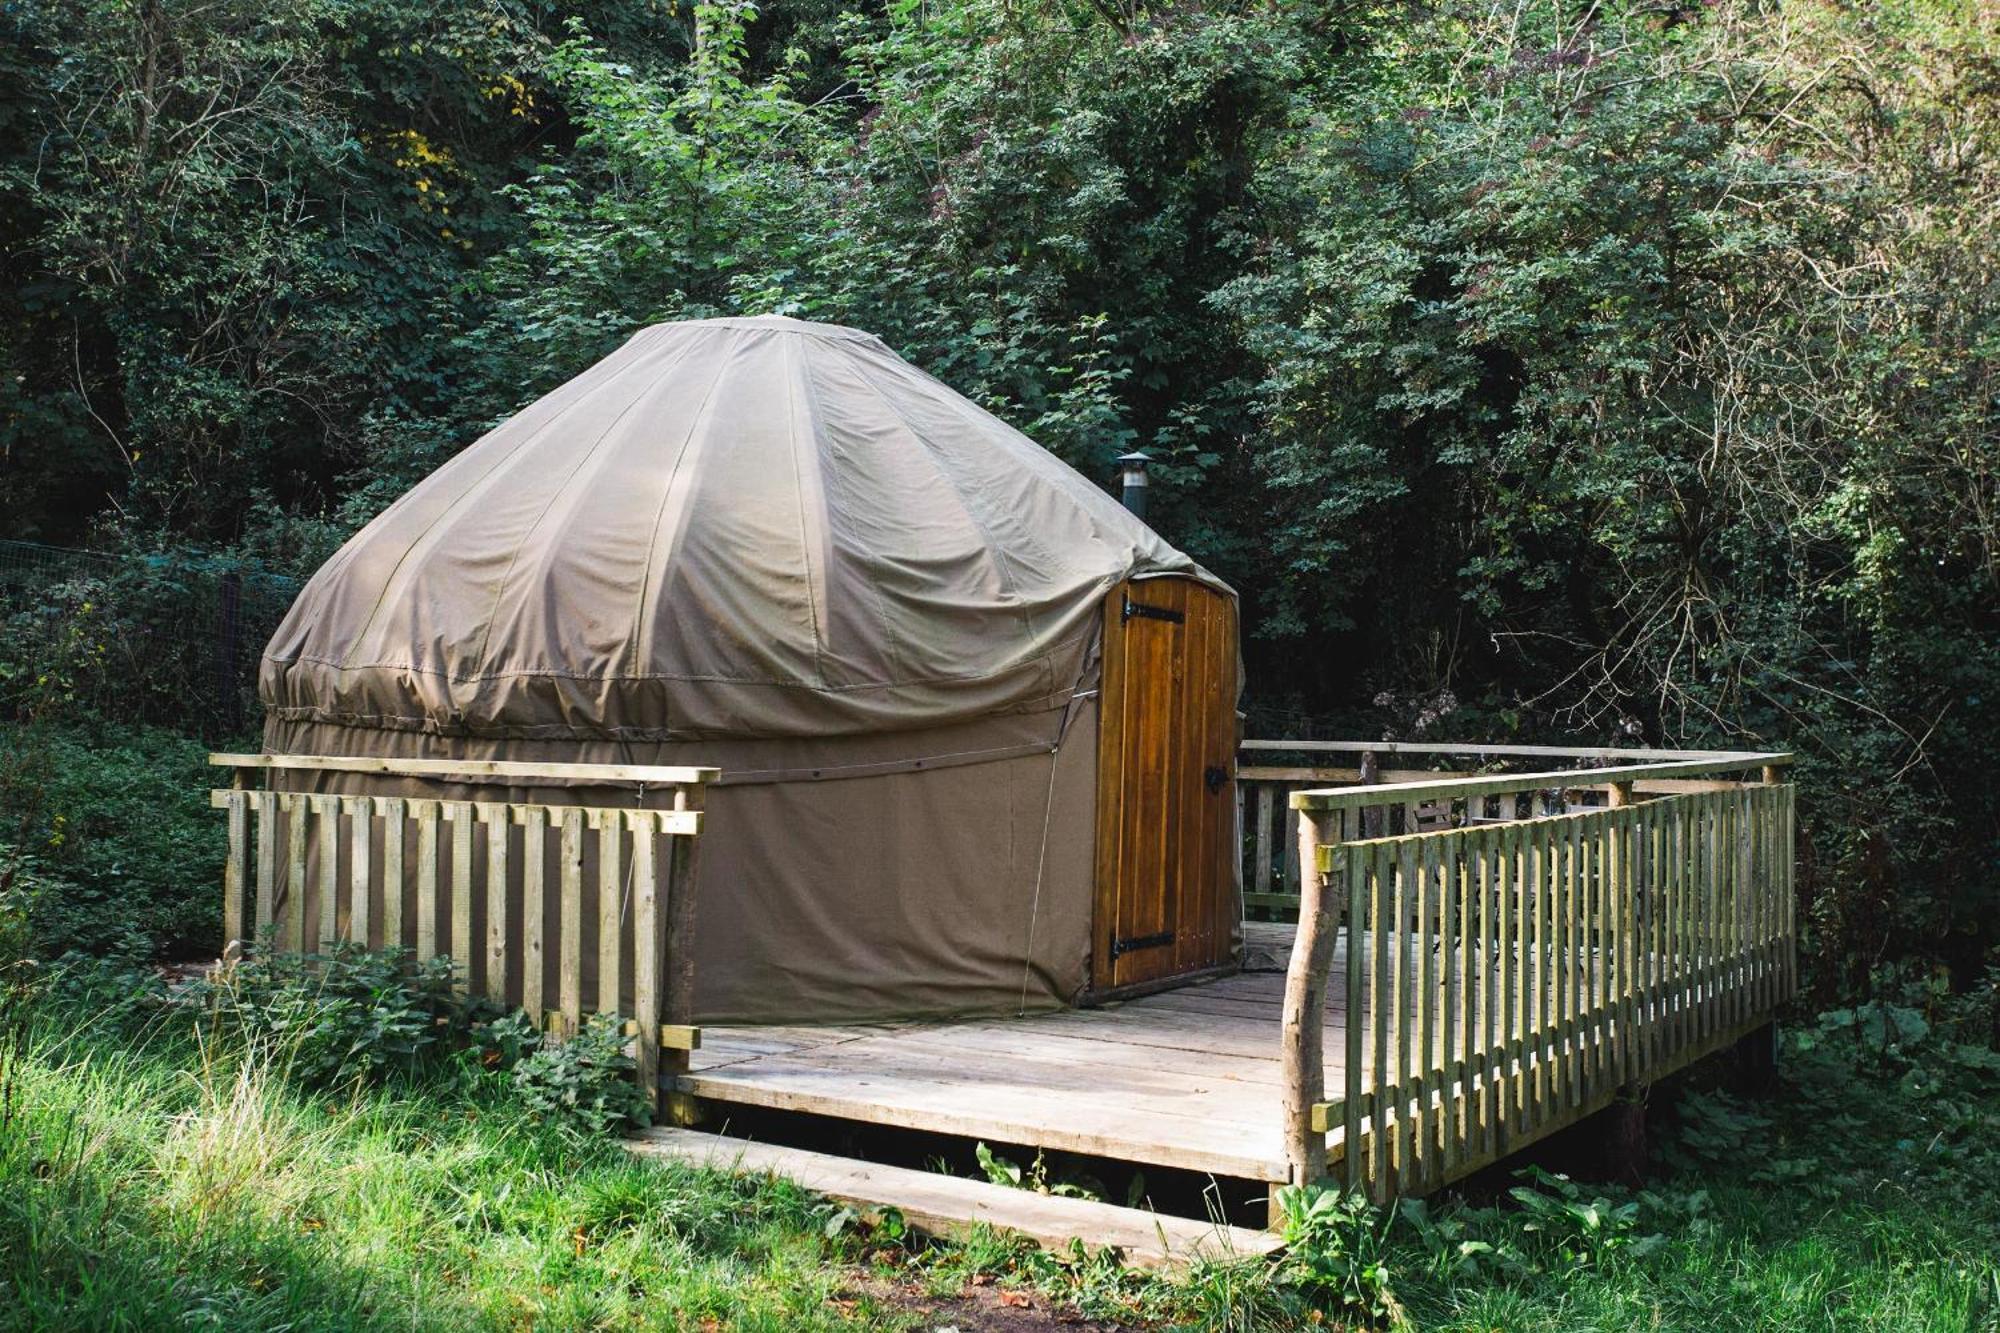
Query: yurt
975	722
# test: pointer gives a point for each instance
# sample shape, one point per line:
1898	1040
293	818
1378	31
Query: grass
170	1163
142	1189
150	1177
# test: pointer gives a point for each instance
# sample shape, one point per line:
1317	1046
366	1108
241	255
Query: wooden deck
1189	1078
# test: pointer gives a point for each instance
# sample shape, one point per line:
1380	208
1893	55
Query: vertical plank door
1166	860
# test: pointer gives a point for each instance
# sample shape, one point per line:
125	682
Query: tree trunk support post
1305	1002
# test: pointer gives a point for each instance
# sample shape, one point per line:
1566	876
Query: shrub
588	1080
116	840
1335	1248
351	1015
1577	1228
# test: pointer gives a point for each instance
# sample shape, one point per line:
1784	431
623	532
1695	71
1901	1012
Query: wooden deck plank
949	1206
973	1110
911	1064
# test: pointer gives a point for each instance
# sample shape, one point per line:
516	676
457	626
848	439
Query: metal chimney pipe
1132	471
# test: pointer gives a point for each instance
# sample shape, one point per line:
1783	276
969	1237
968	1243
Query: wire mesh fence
171	638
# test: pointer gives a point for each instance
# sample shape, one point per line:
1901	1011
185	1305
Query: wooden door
1166	861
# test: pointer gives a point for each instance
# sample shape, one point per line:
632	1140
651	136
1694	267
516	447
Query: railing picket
1569	937
1488	1089
1509	945
1685	845
534	908
297	812
1716	936
1607	870
393	830
459	814
498	827
1606	1030
267	859
1789	891
1262	864
361	831
1288	844
1404	992
236	871
1463	1121
427	878
1738	922
1426	940
1381	989
569	942
326	828
1569	956
1544	873
1653	885
610	905
1631	990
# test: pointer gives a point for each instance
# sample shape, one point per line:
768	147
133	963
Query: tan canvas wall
960	886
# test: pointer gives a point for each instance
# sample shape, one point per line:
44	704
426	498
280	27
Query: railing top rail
1474	833
497	771
1474	748
1501	784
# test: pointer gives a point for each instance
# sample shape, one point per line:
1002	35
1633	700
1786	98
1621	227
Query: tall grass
156	1180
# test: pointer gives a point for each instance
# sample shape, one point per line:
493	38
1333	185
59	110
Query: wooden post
648	946
237	872
677	976
1371	774
1305	1002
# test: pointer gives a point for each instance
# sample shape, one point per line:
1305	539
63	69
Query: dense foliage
1599	372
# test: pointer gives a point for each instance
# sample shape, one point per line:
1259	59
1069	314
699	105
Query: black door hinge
1121	947
1146	612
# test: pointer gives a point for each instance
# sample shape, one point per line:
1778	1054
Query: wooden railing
1269	771
475	879
1503	977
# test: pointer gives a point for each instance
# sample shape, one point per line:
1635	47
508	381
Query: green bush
116	847
350	1015
359	1016
1336	1249
588	1080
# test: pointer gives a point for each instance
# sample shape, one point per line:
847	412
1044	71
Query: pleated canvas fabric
730	527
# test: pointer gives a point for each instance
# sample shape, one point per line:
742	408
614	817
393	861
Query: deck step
943	1205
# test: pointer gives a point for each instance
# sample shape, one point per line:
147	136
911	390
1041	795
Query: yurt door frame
1166	896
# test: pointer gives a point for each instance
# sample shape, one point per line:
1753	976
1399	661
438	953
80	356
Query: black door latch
1119	948
1213	777
1146	612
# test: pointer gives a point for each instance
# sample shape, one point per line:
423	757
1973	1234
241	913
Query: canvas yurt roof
727	528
